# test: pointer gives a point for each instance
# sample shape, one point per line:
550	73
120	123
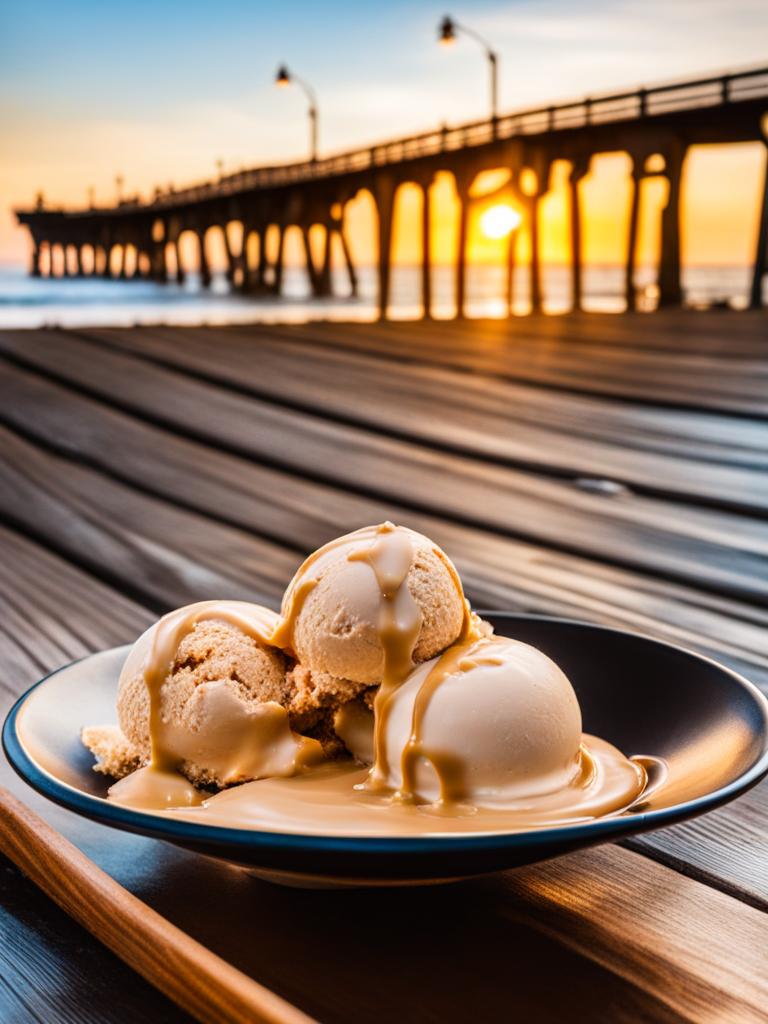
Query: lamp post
119	182
285	77
447	32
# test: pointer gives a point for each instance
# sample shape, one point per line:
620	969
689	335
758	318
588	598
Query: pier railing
640	103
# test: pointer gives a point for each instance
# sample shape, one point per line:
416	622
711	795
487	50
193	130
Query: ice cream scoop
203	692
380	587
491	721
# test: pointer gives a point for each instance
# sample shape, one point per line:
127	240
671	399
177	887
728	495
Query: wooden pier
655	127
605	468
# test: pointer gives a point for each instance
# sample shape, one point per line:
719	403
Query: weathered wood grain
53	972
727	848
730	334
696	456
148	483
656	944
692	380
141	544
54	614
716	550
498	572
196	979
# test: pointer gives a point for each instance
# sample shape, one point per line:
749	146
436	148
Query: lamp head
283	76
447	31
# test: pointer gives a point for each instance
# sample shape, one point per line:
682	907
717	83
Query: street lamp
119	182
285	77
446	36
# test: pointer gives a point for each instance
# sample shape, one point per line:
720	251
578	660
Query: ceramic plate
709	724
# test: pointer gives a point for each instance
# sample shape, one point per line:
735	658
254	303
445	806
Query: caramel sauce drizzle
450	770
390	556
303	584
257	623
389	551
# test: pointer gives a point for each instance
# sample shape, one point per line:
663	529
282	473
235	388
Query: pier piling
665	119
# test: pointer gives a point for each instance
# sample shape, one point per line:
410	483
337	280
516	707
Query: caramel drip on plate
461	657
390	556
333	800
151	789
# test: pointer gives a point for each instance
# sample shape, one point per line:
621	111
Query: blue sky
88	59
160	90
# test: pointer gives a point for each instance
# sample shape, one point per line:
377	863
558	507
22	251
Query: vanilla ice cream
491	721
333	607
221	697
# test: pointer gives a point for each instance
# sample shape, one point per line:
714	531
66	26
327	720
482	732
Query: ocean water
73	302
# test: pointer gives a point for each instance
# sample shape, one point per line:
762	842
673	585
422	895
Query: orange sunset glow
65	148
720	224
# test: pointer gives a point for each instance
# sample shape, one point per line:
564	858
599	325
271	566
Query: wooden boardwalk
607	468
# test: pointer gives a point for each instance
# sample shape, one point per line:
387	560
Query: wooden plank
54	613
51	970
731	334
498	573
702	457
292	511
690	380
734	337
716	550
151	551
697	433
657	944
726	848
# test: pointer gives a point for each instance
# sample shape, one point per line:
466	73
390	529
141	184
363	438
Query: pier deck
605	468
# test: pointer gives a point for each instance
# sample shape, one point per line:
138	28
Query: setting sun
499	221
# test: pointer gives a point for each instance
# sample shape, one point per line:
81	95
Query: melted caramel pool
332	801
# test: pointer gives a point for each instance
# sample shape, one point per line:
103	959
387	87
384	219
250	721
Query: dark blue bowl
709	724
